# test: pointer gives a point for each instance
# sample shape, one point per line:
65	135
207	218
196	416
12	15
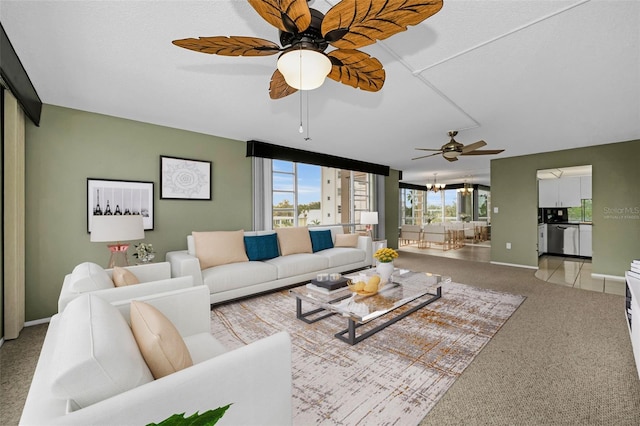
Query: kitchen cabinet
542	239
585	187
547	193
563	192
585	240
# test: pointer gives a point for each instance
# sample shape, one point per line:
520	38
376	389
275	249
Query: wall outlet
495	210
508	246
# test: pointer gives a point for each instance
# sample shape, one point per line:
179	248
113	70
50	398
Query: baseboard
514	265
608	277
37	322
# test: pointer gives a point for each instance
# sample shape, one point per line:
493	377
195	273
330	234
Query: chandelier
435	186
466	190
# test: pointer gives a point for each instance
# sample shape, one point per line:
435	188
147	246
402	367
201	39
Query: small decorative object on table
365	286
385	266
144	252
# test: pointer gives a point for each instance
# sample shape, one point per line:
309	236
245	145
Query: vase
384	269
147	258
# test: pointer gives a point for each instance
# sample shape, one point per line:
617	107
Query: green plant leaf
208	418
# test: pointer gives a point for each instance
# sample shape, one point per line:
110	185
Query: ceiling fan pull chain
301	129
308	138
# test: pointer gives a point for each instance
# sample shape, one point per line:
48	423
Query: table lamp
117	228
369	218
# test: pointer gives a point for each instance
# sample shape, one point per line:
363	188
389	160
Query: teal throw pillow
321	240
261	247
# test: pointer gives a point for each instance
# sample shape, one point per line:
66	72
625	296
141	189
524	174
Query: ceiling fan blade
484	152
278	88
473	146
425	156
230	46
428	149
292	16
358	23
356	69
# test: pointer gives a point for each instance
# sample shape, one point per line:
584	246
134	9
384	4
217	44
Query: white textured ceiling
526	76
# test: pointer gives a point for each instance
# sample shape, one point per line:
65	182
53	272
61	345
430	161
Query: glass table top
404	287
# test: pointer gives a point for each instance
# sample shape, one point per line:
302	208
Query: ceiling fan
453	149
305	34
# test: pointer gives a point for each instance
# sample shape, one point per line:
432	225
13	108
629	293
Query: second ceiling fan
305	34
453	149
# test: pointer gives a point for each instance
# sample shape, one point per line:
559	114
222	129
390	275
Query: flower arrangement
144	251
385	255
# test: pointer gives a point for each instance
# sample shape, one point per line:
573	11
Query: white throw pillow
96	356
89	276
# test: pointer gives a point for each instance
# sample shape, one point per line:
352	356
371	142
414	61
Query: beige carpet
563	358
394	377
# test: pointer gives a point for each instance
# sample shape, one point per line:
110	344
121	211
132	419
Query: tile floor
567	271
576	273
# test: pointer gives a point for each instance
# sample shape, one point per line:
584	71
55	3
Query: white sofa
246	278
90	373
89	277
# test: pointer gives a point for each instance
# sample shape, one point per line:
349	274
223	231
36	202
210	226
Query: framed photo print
184	179
114	197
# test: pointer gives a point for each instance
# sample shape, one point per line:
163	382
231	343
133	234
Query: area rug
394	377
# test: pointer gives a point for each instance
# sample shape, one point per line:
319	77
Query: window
298	190
419	207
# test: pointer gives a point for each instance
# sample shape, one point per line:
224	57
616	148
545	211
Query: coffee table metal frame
329	303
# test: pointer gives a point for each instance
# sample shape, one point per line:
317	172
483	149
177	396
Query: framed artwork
184	179
113	197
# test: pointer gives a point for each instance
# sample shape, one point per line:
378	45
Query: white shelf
632	310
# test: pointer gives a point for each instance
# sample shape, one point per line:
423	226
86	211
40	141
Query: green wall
70	146
616	234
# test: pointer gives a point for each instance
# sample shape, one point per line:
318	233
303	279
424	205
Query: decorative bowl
354	287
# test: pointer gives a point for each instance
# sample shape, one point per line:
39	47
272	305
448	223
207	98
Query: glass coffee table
404	287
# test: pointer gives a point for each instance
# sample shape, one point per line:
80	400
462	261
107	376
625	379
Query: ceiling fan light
450	154
304	69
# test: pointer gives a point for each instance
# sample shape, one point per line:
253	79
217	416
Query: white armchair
89	277
87	356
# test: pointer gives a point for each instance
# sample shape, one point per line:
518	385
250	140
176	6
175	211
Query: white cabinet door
569	192
548	193
585	187
585	241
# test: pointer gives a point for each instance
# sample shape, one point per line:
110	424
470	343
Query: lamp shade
304	69
369	218
117	228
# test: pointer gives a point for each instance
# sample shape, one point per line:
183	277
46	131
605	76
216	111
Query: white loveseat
241	278
91	372
89	277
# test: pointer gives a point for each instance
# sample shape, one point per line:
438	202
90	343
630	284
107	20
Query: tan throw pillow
123	277
161	346
294	240
219	248
346	240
